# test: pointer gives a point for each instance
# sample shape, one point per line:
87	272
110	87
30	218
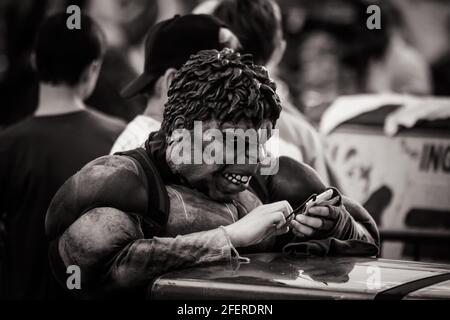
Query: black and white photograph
225	155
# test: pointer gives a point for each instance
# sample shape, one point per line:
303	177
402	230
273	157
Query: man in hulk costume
128	218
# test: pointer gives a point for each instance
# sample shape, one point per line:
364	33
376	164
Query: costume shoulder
109	181
294	182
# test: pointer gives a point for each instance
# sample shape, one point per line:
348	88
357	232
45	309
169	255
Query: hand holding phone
310	202
315	214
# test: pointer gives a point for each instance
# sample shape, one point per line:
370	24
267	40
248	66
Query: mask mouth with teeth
237	179
230	180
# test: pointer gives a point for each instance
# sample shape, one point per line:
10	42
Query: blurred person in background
441	70
169	44
426	25
125	22
401	68
39	153
331	52
19	21
258	26
18	80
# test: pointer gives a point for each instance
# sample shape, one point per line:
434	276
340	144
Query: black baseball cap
170	43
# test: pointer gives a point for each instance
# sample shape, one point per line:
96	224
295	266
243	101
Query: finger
325	211
330	202
285	208
301	228
282	206
319	211
312	222
278	219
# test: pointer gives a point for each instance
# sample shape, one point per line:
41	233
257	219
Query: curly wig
223	86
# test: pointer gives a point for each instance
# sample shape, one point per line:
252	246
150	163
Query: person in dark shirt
39	153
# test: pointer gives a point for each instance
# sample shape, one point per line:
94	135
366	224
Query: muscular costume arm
106	236
110	248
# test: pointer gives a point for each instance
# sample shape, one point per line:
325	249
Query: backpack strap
158	205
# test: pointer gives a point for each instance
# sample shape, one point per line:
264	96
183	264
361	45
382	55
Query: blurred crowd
329	50
316	51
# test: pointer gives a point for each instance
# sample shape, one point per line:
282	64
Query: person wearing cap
168	45
125	219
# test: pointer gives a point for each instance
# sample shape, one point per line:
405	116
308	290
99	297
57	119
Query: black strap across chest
158	204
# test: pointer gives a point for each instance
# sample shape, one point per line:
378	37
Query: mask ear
179	123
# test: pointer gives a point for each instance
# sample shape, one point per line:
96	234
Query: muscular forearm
112	252
144	259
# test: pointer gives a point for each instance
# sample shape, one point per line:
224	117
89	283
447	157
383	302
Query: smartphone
324	196
313	200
